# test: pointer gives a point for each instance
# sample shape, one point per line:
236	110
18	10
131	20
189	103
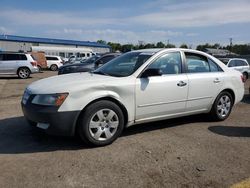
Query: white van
64	52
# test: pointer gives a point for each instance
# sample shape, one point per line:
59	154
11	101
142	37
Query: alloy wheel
23	73
224	106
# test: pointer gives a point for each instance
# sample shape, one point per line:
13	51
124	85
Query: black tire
23	73
245	76
53	67
221	110
101	128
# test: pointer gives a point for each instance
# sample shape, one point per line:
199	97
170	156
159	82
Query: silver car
20	64
240	65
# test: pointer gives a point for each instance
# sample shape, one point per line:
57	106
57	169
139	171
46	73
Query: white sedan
137	87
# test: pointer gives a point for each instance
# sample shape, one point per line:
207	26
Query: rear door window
214	67
196	63
11	57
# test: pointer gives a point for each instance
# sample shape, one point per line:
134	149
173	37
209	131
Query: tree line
241	49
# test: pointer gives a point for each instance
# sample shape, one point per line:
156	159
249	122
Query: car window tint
240	63
1	57
52	58
106	59
213	66
232	63
169	63
125	64
196	63
23	57
11	57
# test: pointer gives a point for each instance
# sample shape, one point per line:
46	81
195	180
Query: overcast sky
128	21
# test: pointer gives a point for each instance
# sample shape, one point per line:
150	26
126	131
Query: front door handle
181	83
217	80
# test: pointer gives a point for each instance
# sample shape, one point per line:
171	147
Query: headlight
50	99
26	96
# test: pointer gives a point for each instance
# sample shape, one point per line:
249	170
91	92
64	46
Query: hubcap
103	124
53	67
23	73
224	106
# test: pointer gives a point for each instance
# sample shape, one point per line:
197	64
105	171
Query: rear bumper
34	70
56	123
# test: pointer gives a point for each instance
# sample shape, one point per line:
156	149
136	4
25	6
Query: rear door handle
217	80
181	83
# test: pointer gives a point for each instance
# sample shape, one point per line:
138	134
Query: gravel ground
183	152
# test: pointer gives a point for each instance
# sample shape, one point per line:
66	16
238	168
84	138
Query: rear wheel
101	124
23	73
53	67
222	106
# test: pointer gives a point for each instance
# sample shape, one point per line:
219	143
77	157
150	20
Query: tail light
34	64
243	79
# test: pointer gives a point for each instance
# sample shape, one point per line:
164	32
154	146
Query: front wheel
222	106
23	73
101	123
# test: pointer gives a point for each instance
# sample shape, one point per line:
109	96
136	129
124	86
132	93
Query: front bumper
58	123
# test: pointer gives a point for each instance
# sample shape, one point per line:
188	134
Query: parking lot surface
183	152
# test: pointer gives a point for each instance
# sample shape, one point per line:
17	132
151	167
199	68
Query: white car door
9	63
165	95
205	80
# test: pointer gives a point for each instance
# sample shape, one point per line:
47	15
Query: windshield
91	59
124	65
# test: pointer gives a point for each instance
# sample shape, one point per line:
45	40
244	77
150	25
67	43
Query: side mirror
151	72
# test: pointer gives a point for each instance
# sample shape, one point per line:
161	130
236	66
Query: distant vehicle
20	64
79	60
64	52
88	65
240	65
40	59
137	87
54	62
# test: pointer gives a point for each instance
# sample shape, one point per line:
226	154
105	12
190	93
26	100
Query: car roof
52	56
156	50
237	59
6	52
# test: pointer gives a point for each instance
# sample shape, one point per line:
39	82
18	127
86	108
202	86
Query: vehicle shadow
145	127
231	131
16	136
14	77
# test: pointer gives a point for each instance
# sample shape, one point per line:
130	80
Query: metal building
19	43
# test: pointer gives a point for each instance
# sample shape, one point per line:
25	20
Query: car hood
70	82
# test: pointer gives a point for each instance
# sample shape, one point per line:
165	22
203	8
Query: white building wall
26	46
